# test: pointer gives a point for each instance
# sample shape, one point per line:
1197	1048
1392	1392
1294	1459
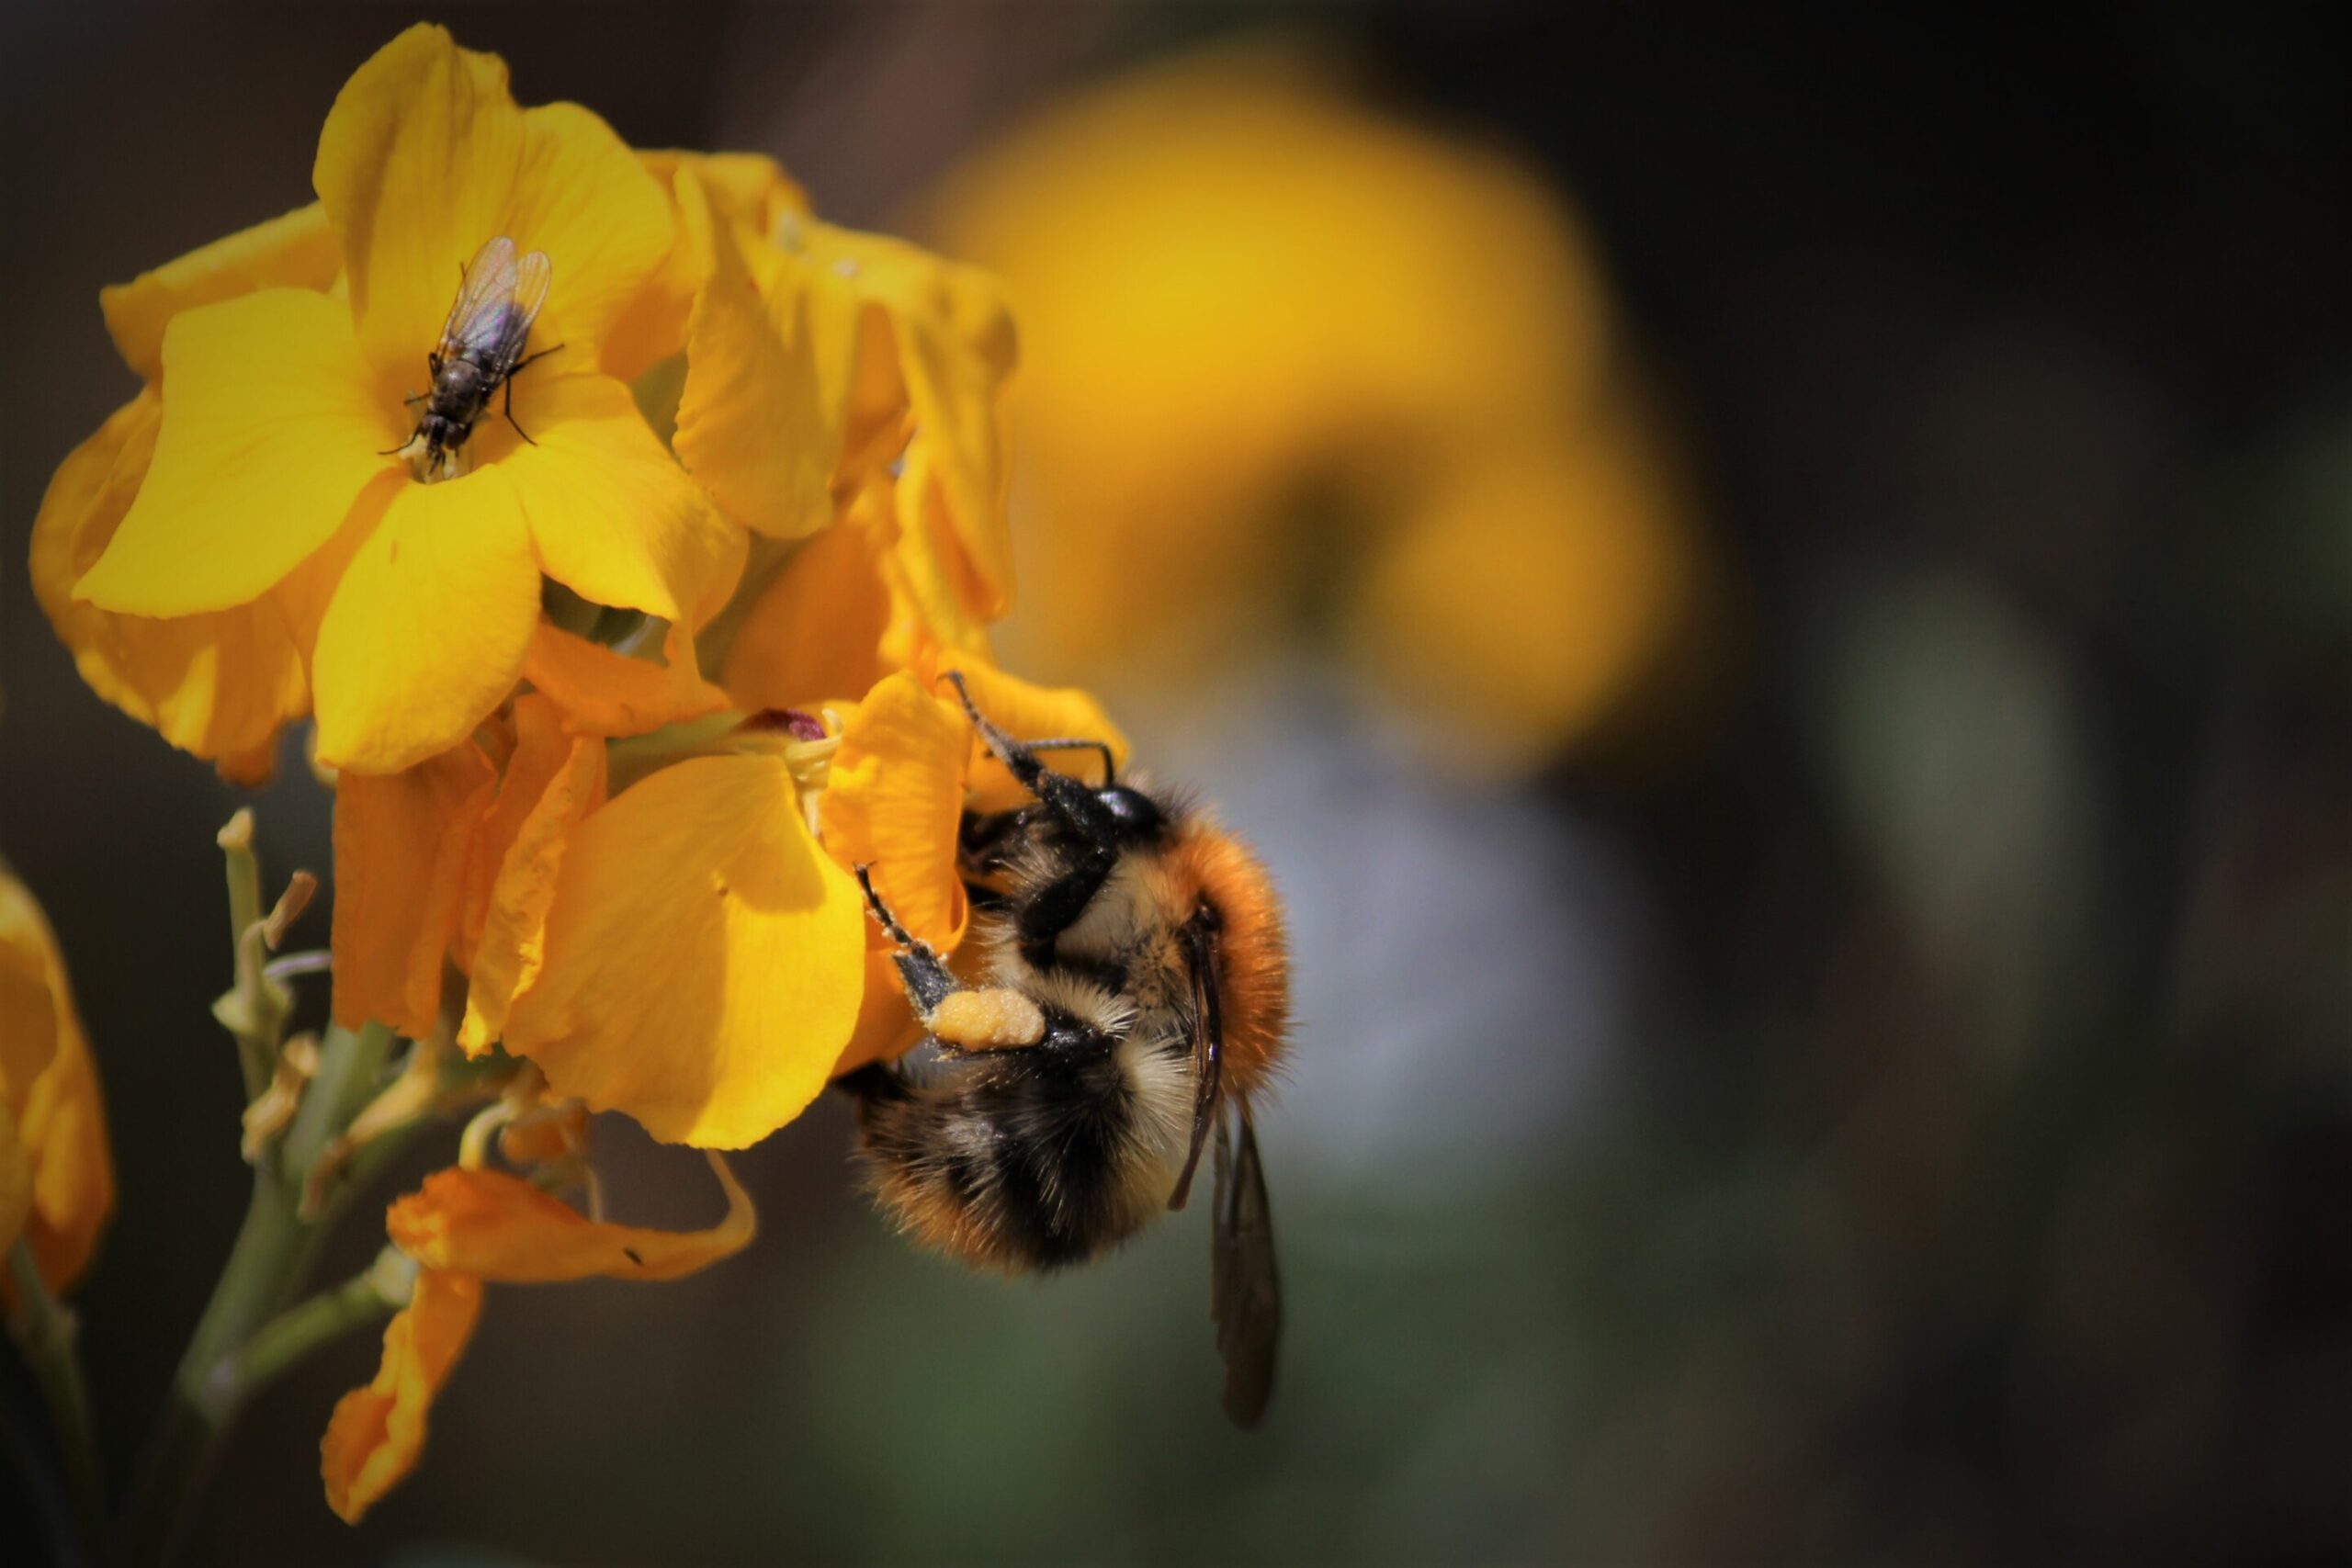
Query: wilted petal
755	426
894	800
271	427
378	1432
503	1229
426	630
604	692
931	574
219	684
956	349
416	168
553	779
401	849
703	957
297	250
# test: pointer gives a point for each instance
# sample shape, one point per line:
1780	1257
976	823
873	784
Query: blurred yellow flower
282	416
466	1227
56	1173
1291	364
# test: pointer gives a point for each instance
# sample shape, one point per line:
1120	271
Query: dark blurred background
1882	1092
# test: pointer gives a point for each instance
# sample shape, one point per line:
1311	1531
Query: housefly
480	350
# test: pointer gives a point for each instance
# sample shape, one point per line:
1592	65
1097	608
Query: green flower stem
266	1271
366	1297
46	1331
254	1051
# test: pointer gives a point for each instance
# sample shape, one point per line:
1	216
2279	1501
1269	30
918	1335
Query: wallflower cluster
612	712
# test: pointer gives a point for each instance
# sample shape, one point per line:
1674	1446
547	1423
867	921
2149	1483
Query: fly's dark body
480	351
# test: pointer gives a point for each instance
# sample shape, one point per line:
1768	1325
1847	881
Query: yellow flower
453	860
466	1227
282	412
56	1175
1289	363
221	684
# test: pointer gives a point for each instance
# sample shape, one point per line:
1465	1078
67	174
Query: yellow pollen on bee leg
992	1020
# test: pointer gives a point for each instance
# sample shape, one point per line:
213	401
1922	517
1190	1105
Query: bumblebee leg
919	966
1055	907
1078	743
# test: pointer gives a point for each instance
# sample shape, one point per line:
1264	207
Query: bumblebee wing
1245	1292
1208	1046
483	293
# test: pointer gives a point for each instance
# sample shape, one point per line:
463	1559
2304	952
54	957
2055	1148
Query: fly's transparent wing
484	294
533	272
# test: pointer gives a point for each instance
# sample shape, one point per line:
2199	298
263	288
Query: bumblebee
1137	994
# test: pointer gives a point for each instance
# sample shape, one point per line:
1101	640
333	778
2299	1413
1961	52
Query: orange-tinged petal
272	428
894	800
297	250
604	692
56	1180
554	779
887	1022
1028	712
583	196
753	426
377	1433
503	1229
956	351
817	630
749	193
28	1004
703	957
930	576
401	849
612	516
220	685
15	1182
416	168
426	631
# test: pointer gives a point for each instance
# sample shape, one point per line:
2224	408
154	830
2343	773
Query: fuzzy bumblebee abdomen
1019	1160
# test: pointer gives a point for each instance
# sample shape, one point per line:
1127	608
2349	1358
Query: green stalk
266	1269
46	1331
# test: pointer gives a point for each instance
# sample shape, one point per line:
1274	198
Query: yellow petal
49	1101
703	957
427	629
752	422
272	428
500	1228
219	685
583	196
612	516
604	692
749	193
28	1005
930	576
955	342
401	850
894	800
1027	712
817	630
553	779
416	168
378	1432
297	250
